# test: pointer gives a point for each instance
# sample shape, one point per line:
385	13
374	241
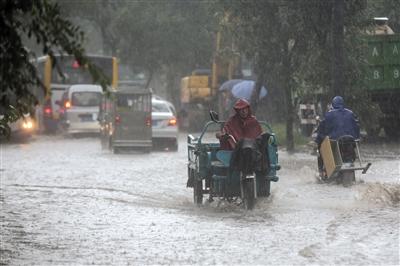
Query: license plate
86	118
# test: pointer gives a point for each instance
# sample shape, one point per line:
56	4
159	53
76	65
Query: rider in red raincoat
240	125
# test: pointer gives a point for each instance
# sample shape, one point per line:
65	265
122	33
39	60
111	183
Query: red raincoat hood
240	104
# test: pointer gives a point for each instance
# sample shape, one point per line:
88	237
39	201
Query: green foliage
280	133
164	33
102	13
166	37
291	43
41	21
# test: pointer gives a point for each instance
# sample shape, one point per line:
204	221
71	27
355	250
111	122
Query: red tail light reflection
117	119
148	121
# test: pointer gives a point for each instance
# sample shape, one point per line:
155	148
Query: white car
164	125
80	109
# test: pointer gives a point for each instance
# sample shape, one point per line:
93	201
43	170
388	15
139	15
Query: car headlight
27	125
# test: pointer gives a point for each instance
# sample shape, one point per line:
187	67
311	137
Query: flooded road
67	202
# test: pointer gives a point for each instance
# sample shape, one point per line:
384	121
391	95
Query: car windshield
86	98
160	107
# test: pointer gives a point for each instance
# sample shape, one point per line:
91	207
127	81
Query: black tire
115	150
268	188
110	144
248	194
264	187
198	192
103	142
348	178
190	181
174	146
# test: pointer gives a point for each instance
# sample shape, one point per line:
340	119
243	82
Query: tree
102	14
168	38
172	37
299	47
272	33
41	21
338	47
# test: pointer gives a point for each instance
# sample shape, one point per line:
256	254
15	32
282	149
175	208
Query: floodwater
64	201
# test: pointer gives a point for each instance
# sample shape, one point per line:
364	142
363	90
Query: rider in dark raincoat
338	122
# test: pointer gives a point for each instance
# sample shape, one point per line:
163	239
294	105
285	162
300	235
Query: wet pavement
64	201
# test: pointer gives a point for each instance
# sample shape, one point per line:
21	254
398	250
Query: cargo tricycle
241	175
125	119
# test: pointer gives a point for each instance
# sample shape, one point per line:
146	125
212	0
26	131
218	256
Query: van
125	119
80	109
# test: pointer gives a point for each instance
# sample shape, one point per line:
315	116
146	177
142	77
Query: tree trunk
289	118
173	86
149	79
255	97
338	48
287	73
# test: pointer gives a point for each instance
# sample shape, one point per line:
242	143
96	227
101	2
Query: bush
280	132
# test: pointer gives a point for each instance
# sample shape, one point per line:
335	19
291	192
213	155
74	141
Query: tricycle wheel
103	142
248	194
198	192
348	177
174	146
264	187
110	144
268	187
115	150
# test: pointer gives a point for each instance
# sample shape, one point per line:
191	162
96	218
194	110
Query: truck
383	80
196	98
199	90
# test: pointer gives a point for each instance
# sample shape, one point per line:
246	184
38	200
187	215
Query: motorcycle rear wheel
348	178
248	194
198	192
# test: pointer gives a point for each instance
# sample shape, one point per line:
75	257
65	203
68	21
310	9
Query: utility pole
338	48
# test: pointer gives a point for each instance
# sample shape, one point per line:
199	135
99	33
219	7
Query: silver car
164	125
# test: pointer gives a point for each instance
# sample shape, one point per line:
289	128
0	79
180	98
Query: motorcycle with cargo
341	158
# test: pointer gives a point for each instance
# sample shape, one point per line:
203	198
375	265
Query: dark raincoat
240	128
338	122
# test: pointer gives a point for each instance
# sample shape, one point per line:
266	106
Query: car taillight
148	121
172	122
47	110
75	64
117	119
67	104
